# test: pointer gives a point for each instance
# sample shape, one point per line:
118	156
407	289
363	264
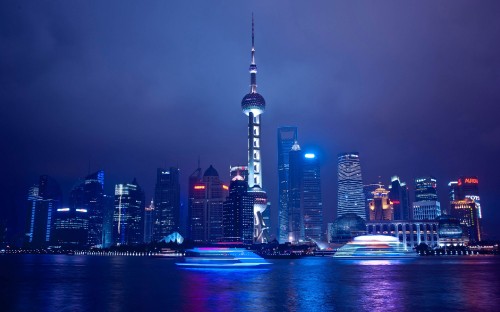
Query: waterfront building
206	206
350	186
238	212
128	222
398	194
167	203
305	203
346	227
148	222
426	210
381	206
368	190
107	220
253	106
71	227
93	202
468	187
451	232
426	205
410	233
465	211
287	136
43	200
453	194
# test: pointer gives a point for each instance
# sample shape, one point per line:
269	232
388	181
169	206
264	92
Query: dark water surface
118	283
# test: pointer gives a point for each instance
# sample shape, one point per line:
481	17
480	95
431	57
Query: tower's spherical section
253	102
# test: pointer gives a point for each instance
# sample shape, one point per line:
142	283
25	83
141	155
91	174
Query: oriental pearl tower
253	105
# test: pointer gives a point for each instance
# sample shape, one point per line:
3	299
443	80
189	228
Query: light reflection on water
93	283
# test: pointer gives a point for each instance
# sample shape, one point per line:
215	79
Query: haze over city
128	88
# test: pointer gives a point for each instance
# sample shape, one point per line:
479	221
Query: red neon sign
199	187
471	181
396	202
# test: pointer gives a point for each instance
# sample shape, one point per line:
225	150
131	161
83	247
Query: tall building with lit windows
287	136
128	218
148	222
351	198
253	105
398	194
468	187
167	201
305	201
238	210
206	206
43	201
426	205
466	211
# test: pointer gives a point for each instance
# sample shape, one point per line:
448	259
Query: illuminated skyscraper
128	222
466	211
305	204
351	198
399	197
238	210
286	138
93	189
71	227
468	187
43	200
426	205
167	203
253	105
368	190
206	206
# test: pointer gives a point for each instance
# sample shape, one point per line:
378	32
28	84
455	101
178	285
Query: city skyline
54	126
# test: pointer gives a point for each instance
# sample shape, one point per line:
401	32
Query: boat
374	247
215	257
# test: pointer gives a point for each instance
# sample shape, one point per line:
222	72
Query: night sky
129	86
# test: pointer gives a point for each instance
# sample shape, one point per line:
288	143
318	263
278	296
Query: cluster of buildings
239	211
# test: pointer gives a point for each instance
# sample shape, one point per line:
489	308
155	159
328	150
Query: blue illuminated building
350	197
43	200
167	203
128	222
287	136
305	204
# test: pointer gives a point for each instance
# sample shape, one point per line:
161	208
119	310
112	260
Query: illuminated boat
211	257
374	247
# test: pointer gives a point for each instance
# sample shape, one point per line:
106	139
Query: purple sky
128	86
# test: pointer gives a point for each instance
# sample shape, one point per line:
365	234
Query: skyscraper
286	138
148	222
426	205
305	204
128	220
399	197
465	210
71	227
206	206
468	187
351	198
253	105
43	200
93	189
368	190
167	203
238	211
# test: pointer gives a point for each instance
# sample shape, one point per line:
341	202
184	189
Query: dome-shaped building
346	227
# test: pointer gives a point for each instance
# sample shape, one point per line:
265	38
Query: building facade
381	208
128	219
167	203
426	210
398	194
410	233
351	198
238	213
148	222
71	227
43	200
206	206
287	136
466	211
